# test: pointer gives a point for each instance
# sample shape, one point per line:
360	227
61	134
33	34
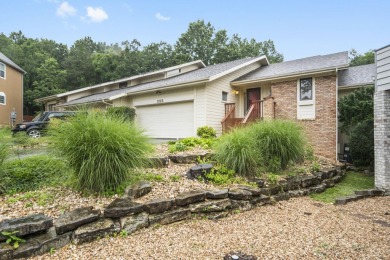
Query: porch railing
255	112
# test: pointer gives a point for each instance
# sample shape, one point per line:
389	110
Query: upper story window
2	98
224	96
2	70
306	89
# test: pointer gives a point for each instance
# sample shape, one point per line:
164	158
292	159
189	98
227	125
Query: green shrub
4	151
100	149
206	132
278	140
32	173
189	142
361	143
236	150
127	113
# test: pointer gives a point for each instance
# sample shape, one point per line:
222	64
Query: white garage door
174	120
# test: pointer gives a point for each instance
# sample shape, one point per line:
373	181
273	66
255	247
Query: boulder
260	200
253	190
135	222
158	205
26	225
159	161
6	252
187	158
281	196
138	190
190	197
239	194
170	216
121	207
271	190
71	220
322	175
95	230
307	181
242	205
198	171
210	206
317	188
217	194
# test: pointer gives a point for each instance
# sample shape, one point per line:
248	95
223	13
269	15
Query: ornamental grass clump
236	151
100	148
278	141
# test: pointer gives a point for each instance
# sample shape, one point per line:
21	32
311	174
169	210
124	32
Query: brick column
382	139
268	108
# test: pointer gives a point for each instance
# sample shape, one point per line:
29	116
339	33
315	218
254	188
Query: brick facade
268	108
321	132
382	139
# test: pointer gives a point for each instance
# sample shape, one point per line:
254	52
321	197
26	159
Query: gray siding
383	69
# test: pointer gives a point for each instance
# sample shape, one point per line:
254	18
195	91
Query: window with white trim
306	99
2	98
2	70
224	96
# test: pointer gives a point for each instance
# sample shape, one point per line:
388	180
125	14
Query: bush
100	148
361	142
236	150
206	132
33	173
127	113
187	143
279	142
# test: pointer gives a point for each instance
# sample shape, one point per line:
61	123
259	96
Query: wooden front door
252	94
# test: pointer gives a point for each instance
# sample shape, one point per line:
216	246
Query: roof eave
286	76
356	85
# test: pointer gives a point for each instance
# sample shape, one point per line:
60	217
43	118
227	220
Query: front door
252	94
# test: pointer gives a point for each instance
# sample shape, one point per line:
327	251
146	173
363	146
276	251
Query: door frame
246	100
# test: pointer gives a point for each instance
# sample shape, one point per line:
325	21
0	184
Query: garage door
174	120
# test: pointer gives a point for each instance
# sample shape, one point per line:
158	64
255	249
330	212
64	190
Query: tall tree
361	59
156	56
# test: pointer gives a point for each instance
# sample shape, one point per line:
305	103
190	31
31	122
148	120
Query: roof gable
9	62
295	67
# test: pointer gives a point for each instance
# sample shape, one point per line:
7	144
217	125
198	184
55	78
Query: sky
298	28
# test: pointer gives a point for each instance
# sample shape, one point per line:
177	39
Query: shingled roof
300	66
357	76
9	62
200	75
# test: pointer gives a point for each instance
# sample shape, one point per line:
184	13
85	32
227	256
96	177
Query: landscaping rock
328	183
307	181
317	189
217	194
242	205
198	171
50	240
71	220
158	205
271	190
336	179
190	197
281	196
159	161
298	193
122	207
345	200
291	183
217	215
210	206
135	222
253	190
187	159
26	225
322	175
170	216
375	192
239	194
6	252
95	230
238	256
138	190
27	249
260	200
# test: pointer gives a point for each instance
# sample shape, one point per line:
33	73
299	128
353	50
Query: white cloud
162	18
65	9
96	14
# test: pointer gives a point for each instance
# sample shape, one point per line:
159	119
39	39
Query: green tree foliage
87	62
356	115
361	59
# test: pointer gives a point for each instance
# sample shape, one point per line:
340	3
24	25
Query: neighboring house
174	102
382	118
11	91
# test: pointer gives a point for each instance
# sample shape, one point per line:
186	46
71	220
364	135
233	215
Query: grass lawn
352	181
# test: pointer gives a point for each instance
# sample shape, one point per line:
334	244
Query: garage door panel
174	120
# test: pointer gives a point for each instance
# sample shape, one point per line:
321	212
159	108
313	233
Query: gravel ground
296	229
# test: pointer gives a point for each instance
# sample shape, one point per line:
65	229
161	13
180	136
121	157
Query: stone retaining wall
125	216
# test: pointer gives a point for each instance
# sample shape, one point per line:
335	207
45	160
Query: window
2	70
306	89
2	98
224	96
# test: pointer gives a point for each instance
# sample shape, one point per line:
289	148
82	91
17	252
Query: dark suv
38	124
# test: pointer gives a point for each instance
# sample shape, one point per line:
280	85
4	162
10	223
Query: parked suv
39	123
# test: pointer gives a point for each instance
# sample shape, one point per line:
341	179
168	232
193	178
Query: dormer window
2	70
